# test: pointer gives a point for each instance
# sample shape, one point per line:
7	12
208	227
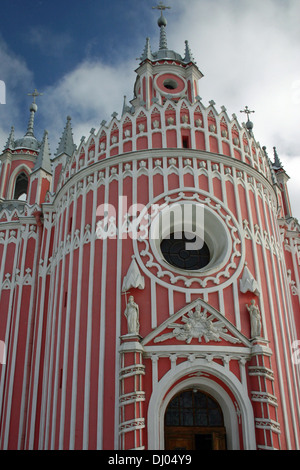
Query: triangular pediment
197	323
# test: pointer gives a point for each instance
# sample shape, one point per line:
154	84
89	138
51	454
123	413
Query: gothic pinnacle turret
66	144
43	159
11	139
277	165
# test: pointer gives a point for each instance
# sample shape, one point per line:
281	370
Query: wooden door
195	438
194	421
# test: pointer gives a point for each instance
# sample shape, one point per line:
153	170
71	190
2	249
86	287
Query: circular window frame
164	77
212	229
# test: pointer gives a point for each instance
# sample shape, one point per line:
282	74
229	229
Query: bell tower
26	168
165	74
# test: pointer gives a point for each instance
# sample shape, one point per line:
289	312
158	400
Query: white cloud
89	94
18	82
50	43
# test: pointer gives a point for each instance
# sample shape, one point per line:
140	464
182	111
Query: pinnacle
277	163
43	158
188	54
11	139
66	144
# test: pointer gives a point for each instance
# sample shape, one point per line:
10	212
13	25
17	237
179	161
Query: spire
33	109
163	36
147	54
277	165
162	23
11	139
66	144
43	158
126	107
188	57
273	176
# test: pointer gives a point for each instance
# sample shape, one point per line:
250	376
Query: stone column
132	395
263	396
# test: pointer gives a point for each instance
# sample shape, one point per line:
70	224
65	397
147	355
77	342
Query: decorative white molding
232	254
248	283
198	320
196	324
133	278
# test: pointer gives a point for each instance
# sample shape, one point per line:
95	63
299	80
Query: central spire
162	23
33	110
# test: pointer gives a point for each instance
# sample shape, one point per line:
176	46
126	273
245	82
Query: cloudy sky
82	54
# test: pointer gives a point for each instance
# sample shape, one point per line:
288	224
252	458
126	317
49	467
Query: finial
162	23
33	109
247	111
161	7
35	94
249	124
43	159
66	144
11	138
126	108
277	163
188	54
147	54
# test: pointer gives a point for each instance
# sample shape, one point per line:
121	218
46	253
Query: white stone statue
255	319
132	315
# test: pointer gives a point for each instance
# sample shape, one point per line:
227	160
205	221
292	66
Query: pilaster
263	396
132	395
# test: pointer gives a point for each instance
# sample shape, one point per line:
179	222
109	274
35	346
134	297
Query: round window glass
170	84
185	251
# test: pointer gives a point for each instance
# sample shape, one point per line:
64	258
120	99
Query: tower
150	300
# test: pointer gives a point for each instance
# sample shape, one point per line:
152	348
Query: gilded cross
161	7
34	94
247	111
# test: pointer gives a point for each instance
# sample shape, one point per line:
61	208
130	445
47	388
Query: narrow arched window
21	186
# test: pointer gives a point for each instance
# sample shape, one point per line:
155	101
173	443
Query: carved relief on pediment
198	321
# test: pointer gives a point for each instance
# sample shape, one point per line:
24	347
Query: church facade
149	279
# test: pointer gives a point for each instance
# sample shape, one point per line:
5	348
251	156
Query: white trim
102	332
89	329
76	333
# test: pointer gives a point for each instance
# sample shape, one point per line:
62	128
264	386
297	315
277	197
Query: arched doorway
194	421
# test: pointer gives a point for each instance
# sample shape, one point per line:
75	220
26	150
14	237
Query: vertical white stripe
102	331
236	305
171	301
13	350
39	316
8	340
60	267
66	339
89	324
153	304
118	310
274	327
48	363
77	324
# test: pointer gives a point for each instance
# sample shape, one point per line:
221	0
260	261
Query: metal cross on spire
162	23
161	7
34	94
247	111
33	109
